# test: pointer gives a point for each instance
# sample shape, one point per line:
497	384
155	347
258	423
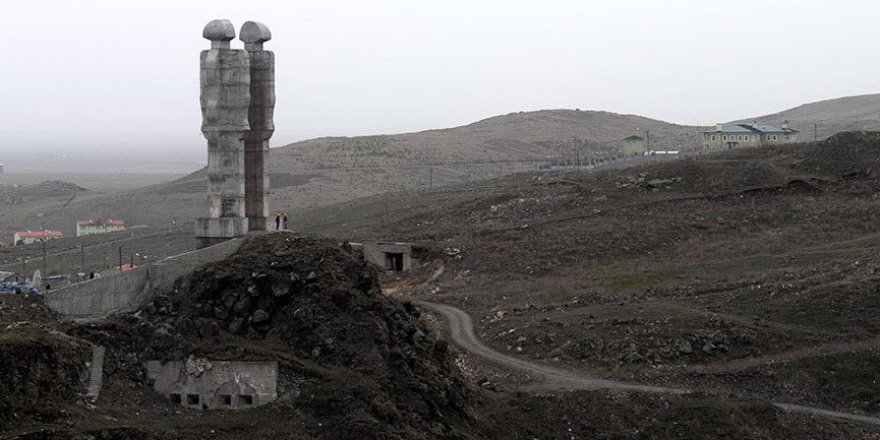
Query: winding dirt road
461	331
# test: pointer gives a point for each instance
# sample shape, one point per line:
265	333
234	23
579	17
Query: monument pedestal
210	231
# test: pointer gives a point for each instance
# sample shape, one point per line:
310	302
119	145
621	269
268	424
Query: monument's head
220	32
254	34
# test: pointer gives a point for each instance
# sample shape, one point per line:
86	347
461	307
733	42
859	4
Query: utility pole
647	140
431	178
578	159
45	272
816	132
82	258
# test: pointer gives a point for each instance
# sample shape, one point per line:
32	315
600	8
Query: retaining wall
126	291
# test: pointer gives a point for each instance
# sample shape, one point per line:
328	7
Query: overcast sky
124	74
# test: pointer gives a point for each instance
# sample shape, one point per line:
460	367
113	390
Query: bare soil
354	363
662	272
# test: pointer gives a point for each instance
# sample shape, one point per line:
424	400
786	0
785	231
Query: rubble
318	310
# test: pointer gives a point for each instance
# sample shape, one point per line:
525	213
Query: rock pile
318	309
641	182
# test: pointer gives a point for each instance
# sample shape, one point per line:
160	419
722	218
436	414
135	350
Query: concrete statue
262	125
237	100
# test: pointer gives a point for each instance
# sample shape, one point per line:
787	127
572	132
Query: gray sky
124	74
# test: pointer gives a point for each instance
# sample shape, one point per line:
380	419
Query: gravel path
461	331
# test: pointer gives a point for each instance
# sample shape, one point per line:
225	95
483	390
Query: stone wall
126	291
204	384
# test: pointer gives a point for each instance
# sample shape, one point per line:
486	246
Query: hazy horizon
122	78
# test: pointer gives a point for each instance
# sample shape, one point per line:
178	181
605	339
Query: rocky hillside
353	364
749	270
851	113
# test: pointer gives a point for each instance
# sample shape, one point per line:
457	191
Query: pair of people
280	219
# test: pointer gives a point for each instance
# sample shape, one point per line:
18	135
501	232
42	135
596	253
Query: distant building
91	227
633	145
28	237
747	135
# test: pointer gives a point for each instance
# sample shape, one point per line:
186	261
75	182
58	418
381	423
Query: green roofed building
633	146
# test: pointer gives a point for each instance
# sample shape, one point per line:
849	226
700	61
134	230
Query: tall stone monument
238	101
262	125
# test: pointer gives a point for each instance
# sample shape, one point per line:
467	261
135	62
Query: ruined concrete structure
390	256
203	384
237	101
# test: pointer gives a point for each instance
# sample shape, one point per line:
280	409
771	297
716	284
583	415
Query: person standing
284	214
277	220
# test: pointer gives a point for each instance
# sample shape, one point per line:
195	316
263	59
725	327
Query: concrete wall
203	384
126	291
377	253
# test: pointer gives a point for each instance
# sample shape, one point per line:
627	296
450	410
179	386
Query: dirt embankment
353	364
360	364
41	374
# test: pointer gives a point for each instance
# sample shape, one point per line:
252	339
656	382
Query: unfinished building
203	384
390	256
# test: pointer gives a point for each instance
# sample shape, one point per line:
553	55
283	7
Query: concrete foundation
210	231
203	384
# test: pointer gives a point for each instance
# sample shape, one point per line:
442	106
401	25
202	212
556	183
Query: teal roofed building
747	135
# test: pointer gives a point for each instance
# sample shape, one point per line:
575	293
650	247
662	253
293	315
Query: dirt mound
51	188
41	373
844	153
349	356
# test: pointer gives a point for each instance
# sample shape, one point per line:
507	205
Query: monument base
257	224
210	231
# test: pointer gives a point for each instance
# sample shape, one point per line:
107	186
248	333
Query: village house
747	135
91	227
28	237
633	146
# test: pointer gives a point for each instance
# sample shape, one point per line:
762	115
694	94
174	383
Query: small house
633	145
28	236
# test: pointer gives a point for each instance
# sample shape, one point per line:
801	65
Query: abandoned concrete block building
390	256
202	384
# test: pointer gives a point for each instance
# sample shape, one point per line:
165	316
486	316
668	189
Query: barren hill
523	136
321	172
851	113
752	270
